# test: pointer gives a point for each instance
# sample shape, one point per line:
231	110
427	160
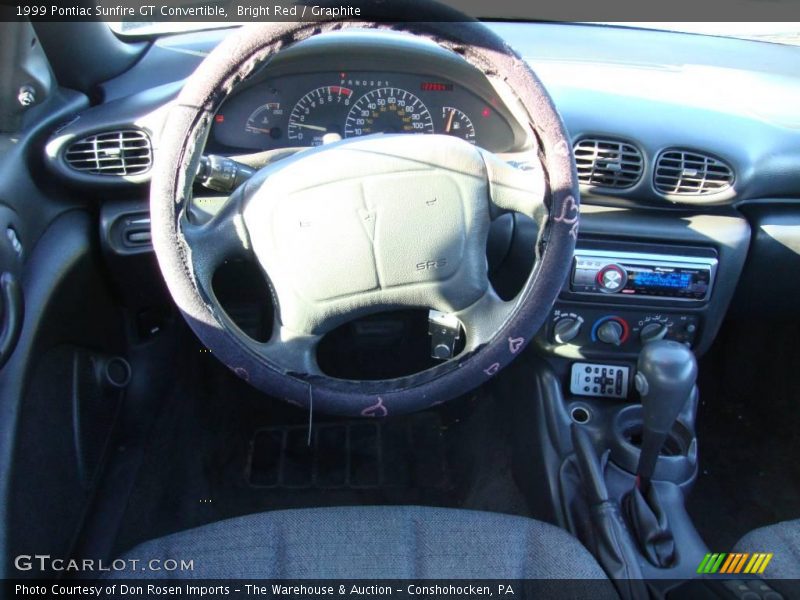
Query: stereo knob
612	278
652	332
567	329
610	332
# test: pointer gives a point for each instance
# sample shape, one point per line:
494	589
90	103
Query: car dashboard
357	83
687	152
304	110
672	172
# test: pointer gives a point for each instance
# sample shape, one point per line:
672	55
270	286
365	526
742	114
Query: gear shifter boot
648	521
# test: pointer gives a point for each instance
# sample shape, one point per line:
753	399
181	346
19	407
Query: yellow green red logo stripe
734	563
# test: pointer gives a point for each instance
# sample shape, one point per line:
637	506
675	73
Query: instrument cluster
311	109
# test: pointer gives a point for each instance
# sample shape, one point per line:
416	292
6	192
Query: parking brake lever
609	541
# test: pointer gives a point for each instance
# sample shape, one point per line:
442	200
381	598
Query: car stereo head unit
657	276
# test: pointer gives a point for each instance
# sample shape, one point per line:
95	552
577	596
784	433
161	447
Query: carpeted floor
220	449
748	424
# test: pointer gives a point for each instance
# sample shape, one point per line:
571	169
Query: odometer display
388	110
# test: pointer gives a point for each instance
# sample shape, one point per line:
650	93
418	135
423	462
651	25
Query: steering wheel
366	224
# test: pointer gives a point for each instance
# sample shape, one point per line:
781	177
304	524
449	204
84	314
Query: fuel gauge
455	122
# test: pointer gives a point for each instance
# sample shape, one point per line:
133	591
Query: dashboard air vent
686	173
114	153
608	163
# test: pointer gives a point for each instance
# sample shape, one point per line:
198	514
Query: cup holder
677	461
674	445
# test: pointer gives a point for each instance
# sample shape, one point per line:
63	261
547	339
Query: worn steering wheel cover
181	145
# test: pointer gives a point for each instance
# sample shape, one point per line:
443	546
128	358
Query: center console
646	293
643	274
621	295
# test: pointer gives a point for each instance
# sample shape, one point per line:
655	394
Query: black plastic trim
12	309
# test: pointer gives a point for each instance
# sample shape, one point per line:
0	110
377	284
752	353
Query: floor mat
405	452
747	427
221	449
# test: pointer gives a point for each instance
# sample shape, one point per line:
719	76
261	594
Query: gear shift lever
666	374
665	378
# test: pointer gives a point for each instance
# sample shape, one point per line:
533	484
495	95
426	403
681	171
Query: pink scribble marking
514	344
376	410
492	369
242	372
569	212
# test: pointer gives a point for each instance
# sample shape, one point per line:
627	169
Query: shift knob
665	378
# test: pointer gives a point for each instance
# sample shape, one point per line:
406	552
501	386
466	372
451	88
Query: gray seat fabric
374	542
783	540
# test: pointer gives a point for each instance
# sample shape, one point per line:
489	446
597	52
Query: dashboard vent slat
113	153
689	173
608	163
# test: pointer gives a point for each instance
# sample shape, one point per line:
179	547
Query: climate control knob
567	329
652	332
611	279
610	332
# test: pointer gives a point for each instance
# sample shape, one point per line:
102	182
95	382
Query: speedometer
388	110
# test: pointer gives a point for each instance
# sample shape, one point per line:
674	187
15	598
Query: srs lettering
431	264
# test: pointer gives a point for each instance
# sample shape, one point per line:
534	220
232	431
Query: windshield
778	33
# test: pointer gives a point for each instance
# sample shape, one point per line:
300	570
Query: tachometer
316	114
458	124
388	110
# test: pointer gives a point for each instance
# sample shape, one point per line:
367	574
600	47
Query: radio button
584	276
612	278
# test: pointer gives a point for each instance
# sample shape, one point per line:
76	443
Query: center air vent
114	153
685	173
608	163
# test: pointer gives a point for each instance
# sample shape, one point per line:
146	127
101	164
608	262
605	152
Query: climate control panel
575	330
